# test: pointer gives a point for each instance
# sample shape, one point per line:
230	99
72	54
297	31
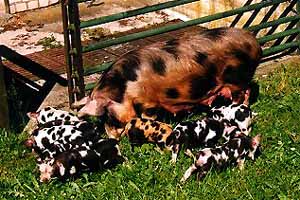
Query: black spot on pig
171	47
172	93
50	114
214	34
158	65
130	64
200	85
47	108
201	58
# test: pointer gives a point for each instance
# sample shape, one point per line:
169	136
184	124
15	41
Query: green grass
148	175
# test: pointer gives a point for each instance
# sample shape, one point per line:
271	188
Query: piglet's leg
175	150
113	132
240	163
188	173
189	153
201	175
247	96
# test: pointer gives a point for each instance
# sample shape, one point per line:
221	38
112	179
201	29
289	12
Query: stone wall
22	5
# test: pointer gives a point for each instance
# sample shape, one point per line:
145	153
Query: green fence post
298	24
77	62
7	7
4	113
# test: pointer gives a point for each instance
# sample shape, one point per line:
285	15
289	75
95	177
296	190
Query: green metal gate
279	43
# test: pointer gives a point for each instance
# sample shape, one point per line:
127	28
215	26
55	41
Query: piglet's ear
33	115
29	143
256	140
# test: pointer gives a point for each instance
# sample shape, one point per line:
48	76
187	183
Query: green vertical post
7	7
74	21
4	113
67	48
298	24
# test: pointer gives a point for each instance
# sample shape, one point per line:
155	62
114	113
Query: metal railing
282	43
50	77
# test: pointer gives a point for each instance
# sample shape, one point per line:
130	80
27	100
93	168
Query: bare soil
22	31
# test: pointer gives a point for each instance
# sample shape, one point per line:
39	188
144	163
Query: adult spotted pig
175	75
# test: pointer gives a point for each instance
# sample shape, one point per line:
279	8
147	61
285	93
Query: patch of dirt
22	31
266	68
24	41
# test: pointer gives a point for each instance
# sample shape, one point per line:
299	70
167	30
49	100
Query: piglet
140	131
99	156
234	151
49	142
205	132
49	114
239	115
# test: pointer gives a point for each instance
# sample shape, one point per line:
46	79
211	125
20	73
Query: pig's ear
81	102
95	107
256	140
33	115
29	142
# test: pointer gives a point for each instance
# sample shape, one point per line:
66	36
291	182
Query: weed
49	42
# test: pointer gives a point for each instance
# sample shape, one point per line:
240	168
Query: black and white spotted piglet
235	151
102	155
200	133
49	142
239	115
49	114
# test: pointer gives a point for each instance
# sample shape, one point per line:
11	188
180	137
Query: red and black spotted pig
175	75
235	151
101	155
140	131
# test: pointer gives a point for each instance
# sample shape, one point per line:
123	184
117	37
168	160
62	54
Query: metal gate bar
173	27
131	13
